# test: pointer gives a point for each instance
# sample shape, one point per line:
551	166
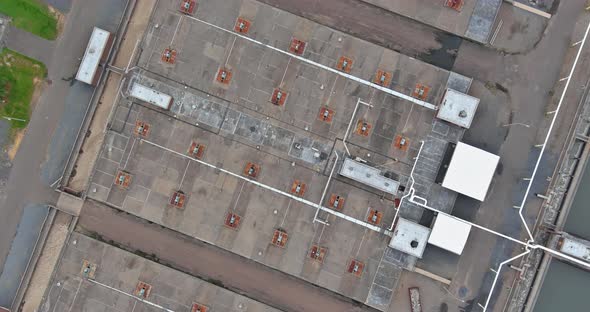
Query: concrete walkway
210	263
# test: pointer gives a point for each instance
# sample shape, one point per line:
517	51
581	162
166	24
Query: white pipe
559	254
358	101
424	204
410	187
315	218
324	67
130	295
277	191
132	56
176	30
521	207
485	307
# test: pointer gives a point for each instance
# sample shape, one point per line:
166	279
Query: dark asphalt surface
62	5
378	26
58	112
26	43
223	268
29	228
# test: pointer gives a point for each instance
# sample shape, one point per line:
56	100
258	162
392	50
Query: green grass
32	16
18	74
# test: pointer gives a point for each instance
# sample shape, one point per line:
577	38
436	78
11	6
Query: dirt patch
16	140
61	20
39	87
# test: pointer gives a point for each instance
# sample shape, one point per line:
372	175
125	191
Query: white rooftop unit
151	96
409	237
368	175
449	234
98	46
470	171
458	108
575	247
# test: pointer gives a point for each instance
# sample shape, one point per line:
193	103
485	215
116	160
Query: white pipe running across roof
315	217
130	295
356	107
324	67
410	187
277	191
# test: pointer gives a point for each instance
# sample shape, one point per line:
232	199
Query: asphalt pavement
30	45
58	112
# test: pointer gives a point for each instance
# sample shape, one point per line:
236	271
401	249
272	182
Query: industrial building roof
94	51
368	175
458	108
449	233
151	96
409	237
470	171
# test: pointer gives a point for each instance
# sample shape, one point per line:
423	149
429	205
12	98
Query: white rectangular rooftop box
449	234
151	96
368	175
96	52
573	246
470	171
409	237
458	108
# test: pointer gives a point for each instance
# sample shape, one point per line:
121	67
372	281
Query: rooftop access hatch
458	108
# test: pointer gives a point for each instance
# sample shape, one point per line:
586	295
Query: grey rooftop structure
409	237
458	108
151	96
368	175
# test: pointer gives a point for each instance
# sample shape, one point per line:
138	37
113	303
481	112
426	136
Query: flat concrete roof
449	234
368	175
94	51
407	233
576	247
151	96
116	275
458	108
471	171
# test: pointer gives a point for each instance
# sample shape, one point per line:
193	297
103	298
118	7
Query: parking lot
94	276
228	166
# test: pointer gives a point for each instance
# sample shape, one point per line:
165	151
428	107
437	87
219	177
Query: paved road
513	88
30	45
58	112
211	263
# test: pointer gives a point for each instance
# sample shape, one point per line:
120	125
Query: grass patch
32	16
18	76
